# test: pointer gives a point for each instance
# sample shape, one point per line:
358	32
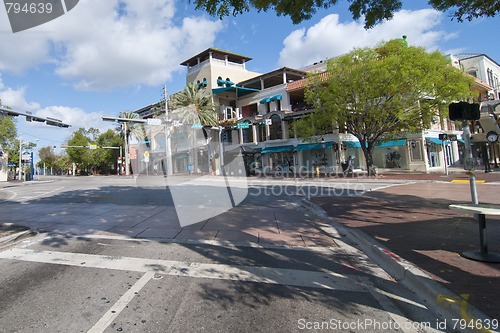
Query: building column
254	133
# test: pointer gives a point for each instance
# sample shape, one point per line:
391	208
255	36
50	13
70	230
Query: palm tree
127	130
190	107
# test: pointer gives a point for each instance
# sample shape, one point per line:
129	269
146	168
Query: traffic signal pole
463	111
469	163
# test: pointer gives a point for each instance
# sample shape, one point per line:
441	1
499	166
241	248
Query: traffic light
464	111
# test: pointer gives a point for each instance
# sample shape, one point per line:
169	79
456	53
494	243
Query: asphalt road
60	282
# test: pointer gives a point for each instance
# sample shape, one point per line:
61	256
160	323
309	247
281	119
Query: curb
439	299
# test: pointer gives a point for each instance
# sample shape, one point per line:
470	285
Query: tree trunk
368	159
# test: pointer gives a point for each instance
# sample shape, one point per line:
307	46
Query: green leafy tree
62	164
79	153
8	132
107	157
374	11
47	157
377	93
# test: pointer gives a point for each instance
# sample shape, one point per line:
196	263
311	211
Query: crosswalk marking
269	275
118	307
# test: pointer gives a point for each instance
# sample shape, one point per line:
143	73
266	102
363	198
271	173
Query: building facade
258	112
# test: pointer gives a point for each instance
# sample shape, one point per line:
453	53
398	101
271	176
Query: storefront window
433	155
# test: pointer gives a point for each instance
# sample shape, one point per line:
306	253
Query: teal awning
351	144
181	156
434	140
392	143
239	91
265	100
314	146
277	98
280	149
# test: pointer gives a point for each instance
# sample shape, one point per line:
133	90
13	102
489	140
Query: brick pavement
413	221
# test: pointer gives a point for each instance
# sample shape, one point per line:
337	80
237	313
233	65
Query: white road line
40	195
281	276
118	307
14	194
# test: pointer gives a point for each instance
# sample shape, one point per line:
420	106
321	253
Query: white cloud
330	38
105	44
76	117
14	98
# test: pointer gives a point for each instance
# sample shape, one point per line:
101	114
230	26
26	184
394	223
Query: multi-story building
485	71
258	114
483	68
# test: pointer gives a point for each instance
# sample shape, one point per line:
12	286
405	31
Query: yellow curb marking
467	181
461	300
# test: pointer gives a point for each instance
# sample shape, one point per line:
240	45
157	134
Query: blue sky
97	60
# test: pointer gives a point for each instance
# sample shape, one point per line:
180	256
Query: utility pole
20	156
469	162
127	152
168	152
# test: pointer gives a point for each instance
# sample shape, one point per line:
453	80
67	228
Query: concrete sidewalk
411	222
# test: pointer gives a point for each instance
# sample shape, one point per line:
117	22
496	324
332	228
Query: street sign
92	146
269	121
197	126
244	125
146	154
153	121
26	156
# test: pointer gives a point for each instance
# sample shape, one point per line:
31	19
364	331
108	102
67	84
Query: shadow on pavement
121	211
429	235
